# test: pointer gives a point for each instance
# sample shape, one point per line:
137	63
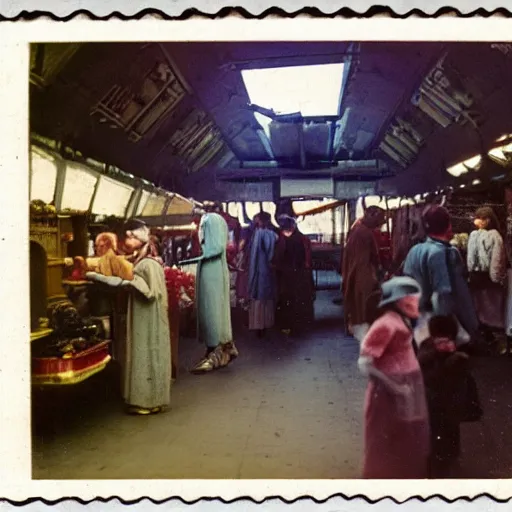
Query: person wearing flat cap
396	428
146	361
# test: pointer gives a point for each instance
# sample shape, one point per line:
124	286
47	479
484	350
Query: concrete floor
284	409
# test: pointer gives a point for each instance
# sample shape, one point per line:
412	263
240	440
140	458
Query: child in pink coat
396	433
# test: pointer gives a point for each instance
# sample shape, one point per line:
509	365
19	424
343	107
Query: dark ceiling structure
179	114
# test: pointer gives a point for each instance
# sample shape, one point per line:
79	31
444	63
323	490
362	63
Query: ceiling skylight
311	90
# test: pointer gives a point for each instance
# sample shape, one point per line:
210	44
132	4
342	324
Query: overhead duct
373	164
364	169
354	189
367	165
307	187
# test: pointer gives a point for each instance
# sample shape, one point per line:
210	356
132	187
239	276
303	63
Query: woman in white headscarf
147	358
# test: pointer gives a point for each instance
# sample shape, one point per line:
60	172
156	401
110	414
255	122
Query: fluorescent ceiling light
499	153
311	90
154	206
464	167
142	203
473	161
43	177
78	187
111	198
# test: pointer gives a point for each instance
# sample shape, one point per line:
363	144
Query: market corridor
284	409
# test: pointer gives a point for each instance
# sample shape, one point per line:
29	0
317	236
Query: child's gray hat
397	288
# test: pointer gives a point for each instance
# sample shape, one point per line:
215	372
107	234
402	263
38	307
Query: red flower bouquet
181	288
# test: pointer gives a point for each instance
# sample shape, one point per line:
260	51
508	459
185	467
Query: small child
396	428
445	373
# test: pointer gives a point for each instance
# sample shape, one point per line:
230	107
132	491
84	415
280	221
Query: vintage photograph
270	259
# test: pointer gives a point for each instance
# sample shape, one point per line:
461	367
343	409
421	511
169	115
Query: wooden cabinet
54	240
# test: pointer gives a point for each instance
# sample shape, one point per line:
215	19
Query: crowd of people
417	331
274	279
274	276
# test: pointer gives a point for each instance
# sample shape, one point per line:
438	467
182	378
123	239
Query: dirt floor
284	409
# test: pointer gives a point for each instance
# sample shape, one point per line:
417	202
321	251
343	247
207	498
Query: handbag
480	280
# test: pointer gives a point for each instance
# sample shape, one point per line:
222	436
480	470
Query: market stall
68	344
78	326
324	222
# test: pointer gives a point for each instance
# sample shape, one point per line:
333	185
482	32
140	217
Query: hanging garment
487	273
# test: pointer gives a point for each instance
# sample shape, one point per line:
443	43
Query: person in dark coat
293	263
445	372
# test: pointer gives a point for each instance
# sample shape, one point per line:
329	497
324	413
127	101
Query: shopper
439	269
214	328
262	287
360	272
396	432
110	263
487	266
292	261
147	356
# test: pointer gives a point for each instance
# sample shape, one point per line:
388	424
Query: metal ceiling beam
345	169
407	93
168	220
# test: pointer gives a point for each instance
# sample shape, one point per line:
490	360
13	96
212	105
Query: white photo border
16	483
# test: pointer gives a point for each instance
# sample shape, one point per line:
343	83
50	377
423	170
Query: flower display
181	288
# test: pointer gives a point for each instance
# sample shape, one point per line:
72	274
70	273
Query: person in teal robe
212	295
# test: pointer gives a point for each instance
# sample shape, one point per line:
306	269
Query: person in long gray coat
262	286
212	295
146	361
